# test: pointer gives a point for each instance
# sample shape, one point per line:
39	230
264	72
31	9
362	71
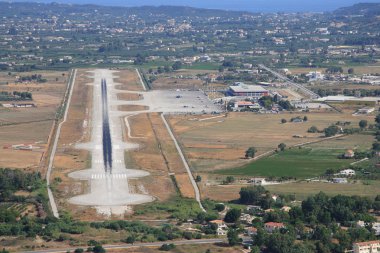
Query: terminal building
243	90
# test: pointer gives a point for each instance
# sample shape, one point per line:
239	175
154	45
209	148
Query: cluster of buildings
269	227
248	91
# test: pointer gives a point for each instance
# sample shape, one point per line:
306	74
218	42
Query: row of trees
34	77
15	95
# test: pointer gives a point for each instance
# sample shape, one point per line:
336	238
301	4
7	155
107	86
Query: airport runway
108	177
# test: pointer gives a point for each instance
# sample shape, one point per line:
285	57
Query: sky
245	5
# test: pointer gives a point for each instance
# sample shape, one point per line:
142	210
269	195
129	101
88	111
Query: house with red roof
271	227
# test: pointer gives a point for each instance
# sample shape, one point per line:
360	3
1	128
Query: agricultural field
196	248
30	126
220	143
308	161
304	189
298	163
301	189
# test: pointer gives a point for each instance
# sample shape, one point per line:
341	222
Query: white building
257	181
315	76
222	227
375	226
347	172
366	247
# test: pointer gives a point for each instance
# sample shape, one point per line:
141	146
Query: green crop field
299	163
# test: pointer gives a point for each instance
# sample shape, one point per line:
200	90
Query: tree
282	146
376	146
139	59
177	65
79	250
130	239
229	180
233	237
98	249
250	153
251	195
376	205
255	249
331	131
232	215
285	105
334	69
305	118
167	247
280	243
350	71
198	178
283	121
167	68
266	101
363	124
313	129
219	207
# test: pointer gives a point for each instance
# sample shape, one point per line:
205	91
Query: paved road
311	94
195	186
54	149
136	245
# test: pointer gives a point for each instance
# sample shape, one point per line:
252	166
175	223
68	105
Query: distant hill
33	8
367	9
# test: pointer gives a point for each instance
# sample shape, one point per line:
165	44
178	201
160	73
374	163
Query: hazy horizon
244	5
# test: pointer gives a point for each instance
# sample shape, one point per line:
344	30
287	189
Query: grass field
301	190
29	125
220	143
195	248
304	189
203	66
299	163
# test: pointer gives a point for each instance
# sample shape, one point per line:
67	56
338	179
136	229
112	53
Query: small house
349	154
271	227
221	227
347	172
251	231
257	181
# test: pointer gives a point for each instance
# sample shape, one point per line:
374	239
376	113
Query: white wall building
347	172
366	247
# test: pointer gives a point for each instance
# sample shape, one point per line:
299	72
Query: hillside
367	9
32	9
